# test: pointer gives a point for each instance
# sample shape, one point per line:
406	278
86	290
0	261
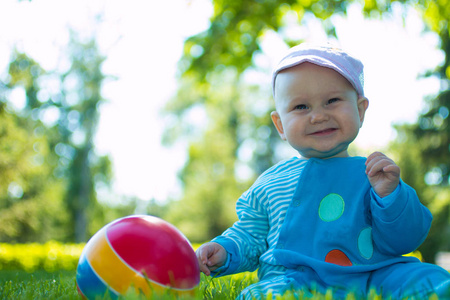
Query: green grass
38	285
61	285
47	272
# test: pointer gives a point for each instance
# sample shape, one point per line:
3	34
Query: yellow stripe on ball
113	271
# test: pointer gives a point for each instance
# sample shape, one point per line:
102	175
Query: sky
143	40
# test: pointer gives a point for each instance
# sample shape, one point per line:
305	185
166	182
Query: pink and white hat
324	56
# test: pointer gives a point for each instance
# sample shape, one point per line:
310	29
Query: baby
326	220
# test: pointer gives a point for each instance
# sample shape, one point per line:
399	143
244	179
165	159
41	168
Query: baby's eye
301	107
333	100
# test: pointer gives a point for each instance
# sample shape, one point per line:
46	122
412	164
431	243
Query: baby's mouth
324	131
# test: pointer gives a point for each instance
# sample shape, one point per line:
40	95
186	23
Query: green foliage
423	148
213	177
50	167
236	27
417	167
84	80
31	206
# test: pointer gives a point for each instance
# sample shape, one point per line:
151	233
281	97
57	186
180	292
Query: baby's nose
318	115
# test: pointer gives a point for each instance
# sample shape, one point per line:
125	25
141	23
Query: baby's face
318	111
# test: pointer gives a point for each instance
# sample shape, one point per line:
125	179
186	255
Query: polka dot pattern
331	208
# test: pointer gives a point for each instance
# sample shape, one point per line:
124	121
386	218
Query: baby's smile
324	132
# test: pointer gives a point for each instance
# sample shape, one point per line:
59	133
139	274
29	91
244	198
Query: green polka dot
331	207
365	245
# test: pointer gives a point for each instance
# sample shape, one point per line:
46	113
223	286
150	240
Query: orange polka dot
338	257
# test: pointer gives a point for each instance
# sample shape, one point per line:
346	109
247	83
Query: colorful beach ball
141	252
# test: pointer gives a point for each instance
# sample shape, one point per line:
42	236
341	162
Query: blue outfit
314	224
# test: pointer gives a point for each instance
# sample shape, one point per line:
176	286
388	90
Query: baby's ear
278	125
363	104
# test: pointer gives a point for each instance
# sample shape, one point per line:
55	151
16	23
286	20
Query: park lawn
61	285
37	285
19	284
47	271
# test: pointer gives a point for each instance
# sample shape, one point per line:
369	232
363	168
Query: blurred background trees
50	172
47	149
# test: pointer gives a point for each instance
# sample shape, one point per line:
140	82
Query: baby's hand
211	256
383	173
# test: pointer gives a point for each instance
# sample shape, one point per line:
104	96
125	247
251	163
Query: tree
31	205
77	126
63	108
213	80
429	140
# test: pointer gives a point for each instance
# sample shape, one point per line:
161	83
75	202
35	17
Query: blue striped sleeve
261	210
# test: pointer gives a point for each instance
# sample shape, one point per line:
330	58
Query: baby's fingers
203	268
374	156
377	165
373	159
378	162
392	168
215	261
202	258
